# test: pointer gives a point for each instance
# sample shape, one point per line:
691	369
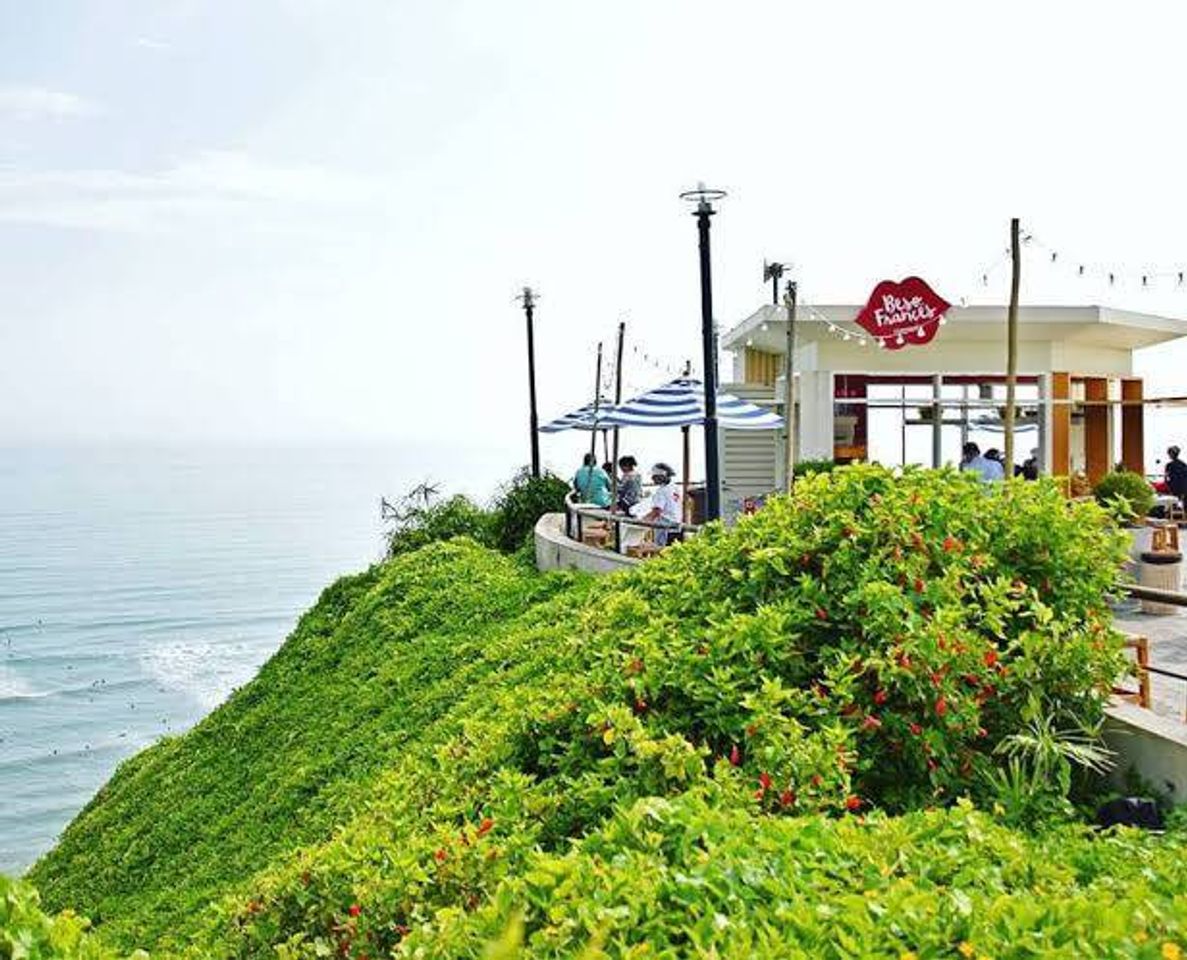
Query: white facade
1090	342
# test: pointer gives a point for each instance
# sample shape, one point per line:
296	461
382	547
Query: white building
1081	404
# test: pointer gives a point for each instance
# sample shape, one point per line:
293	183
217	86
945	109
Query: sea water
139	586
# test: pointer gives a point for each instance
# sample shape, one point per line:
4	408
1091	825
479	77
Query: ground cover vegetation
850	726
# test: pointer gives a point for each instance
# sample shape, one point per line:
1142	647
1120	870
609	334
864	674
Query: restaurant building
1080	406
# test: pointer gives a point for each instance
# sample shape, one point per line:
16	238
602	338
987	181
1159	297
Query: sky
308	221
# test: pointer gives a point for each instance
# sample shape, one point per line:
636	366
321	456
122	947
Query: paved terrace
1168	649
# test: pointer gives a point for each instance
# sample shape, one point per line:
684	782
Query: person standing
591	482
971	459
1176	475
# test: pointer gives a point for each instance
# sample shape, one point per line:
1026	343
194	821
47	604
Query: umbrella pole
684	499
593	432
617	401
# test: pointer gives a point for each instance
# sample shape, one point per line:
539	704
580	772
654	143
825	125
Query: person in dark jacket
1176	475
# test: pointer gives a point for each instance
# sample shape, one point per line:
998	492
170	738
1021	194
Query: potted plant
1130	498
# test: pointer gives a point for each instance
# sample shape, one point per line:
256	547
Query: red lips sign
903	313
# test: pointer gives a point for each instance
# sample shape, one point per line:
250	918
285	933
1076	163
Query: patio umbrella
580	419
681	403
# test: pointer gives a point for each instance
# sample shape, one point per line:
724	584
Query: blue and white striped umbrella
580	419
681	403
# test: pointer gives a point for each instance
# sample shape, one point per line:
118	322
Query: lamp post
529	303
704	198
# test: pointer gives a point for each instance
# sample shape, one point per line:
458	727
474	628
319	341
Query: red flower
787	798
941	706
951	544
871	723
990	657
816	780
485	827
853	803
440	855
931	764
821	613
764	780
735	756
880	697
355	910
640	705
916	729
919	585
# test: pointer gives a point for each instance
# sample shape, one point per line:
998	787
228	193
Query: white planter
1141	540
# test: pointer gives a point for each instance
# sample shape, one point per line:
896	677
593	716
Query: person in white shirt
990	471
664	503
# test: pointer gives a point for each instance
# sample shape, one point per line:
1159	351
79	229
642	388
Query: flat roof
1086	324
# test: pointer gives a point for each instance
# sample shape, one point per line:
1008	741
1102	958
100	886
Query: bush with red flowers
448	741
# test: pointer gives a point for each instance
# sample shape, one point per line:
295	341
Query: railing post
617	536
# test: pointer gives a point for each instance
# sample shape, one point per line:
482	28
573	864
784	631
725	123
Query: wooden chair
1141	648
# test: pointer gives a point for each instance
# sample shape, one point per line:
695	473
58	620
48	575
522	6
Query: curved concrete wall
555	551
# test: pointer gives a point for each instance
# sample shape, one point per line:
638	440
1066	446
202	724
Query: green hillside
765	742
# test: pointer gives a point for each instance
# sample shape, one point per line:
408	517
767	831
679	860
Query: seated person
591	483
664	504
630	484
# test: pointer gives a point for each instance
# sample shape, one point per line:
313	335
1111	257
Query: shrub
1125	492
448	742
803	468
27	932
421	522
520	503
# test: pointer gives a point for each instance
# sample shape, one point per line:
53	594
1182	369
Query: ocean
139	586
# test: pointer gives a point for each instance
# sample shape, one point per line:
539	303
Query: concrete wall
555	551
1154	747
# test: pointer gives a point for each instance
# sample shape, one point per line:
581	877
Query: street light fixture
704	198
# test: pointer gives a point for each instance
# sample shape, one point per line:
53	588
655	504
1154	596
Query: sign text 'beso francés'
903	313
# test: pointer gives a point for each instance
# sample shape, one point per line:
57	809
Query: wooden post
1097	454
789	300
617	401
1133	441
1012	346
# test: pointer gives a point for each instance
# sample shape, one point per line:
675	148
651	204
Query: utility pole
617	401
704	197
789	303
1012	346
529	304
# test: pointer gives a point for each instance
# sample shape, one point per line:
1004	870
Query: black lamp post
529	303
703	197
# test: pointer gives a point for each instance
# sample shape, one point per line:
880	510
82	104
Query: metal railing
578	515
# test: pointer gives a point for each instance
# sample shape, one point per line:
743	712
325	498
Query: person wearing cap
1176	475
664	504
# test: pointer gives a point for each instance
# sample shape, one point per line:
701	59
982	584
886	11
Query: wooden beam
1061	425
1133	421
1096	429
